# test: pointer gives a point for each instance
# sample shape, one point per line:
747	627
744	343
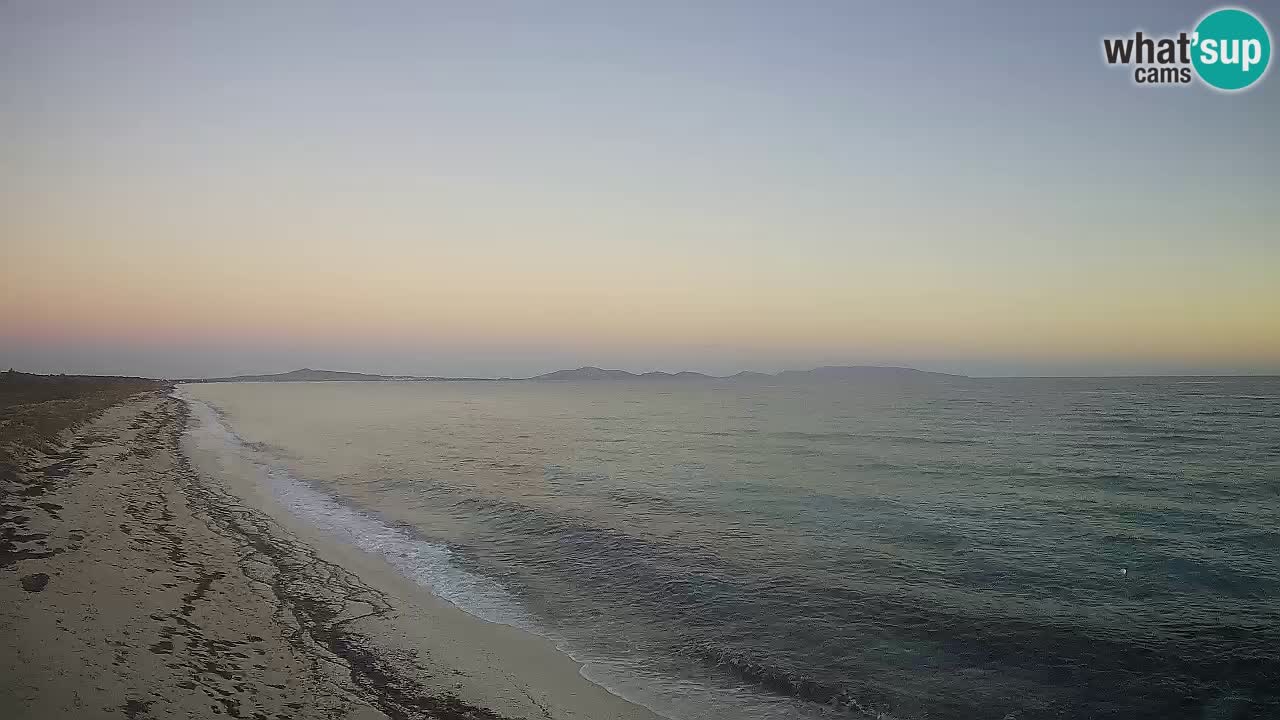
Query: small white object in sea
1124	571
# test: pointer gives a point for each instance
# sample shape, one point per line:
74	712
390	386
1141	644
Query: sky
506	188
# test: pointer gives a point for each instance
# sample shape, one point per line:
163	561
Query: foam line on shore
435	568
427	564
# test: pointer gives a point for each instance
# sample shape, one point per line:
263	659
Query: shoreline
138	585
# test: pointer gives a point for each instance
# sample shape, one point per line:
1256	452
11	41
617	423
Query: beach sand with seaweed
134	586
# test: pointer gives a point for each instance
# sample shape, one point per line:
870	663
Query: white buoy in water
1124	571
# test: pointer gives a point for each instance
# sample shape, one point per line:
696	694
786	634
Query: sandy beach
132	585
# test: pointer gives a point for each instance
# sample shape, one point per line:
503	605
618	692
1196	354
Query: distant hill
309	375
849	373
682	375
860	372
586	373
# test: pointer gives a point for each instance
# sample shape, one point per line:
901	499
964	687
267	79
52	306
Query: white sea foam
428	564
425	563
435	568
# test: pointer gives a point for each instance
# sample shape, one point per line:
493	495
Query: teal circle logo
1231	49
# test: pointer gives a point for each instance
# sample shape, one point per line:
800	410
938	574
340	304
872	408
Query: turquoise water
937	549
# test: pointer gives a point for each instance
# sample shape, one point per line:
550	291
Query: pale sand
172	594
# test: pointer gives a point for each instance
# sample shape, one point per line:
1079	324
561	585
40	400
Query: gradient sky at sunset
507	188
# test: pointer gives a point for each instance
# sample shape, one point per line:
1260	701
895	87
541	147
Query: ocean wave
439	570
430	565
725	580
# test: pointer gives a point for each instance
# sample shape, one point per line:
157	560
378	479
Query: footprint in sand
34	582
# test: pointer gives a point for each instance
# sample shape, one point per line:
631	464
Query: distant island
308	375
836	373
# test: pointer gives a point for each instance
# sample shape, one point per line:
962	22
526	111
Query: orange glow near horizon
154	298
179	196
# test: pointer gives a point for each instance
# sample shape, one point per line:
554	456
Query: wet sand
132	585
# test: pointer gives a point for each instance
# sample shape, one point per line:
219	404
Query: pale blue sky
737	185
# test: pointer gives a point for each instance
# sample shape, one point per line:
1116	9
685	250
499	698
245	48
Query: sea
935	548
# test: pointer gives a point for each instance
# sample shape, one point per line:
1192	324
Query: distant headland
838	373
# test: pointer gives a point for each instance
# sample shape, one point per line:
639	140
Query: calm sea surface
946	549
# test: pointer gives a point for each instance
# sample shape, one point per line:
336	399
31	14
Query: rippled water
945	549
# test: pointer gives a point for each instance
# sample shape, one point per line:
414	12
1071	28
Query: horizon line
649	374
